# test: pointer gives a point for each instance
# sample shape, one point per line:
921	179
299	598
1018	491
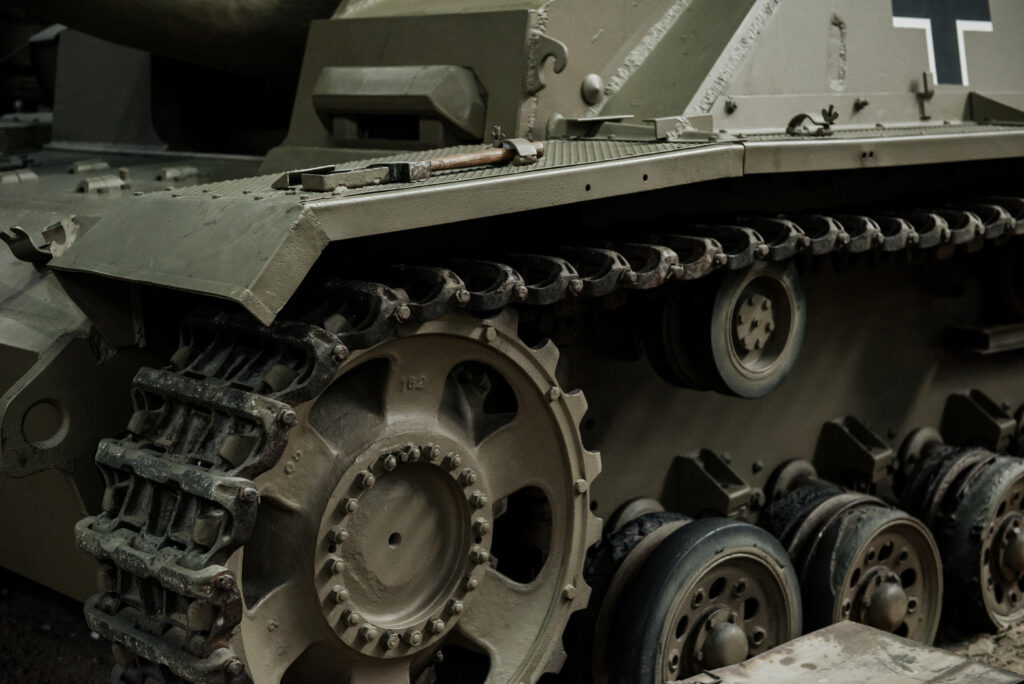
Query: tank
512	341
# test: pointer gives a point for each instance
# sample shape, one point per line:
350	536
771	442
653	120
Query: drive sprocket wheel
429	518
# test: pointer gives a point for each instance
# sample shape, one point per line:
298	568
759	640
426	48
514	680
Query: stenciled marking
945	23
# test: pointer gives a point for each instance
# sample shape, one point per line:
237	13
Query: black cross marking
946	37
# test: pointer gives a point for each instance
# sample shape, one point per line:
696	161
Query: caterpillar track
183	492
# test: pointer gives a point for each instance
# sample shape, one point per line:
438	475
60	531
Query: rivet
569	592
339	593
272	626
390	640
467	477
471	583
478	500
479	555
455	607
414	637
337	535
580	486
287	417
352	618
248	494
592	89
350	505
366	479
553	393
481	527
368	632
336	565
340	352
436	626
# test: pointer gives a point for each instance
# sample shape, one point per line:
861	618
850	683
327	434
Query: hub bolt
455	607
339	593
569	592
452	461
390	640
248	494
337	535
352	618
580	486
436	626
554	393
471	583
287	417
481	527
366	479
389	462
467	477
432	452
340	352
479	555
350	505
412	452
368	632
414	637
336	565
478	500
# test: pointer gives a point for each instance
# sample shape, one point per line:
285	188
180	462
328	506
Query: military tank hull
384	392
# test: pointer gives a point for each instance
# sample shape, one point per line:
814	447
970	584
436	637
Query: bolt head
350	505
413	452
287	417
336	565
436	626
452	461
580	486
337	535
366	479
368	632
389	462
234	667
479	555
414	637
390	640
481	527
352	618
471	583
340	352
478	500
467	477
569	592
455	607
339	594
554	393
249	494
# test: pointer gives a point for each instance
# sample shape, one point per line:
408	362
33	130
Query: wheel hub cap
403	544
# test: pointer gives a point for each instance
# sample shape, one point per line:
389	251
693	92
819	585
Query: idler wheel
740	334
858	559
713	593
974	501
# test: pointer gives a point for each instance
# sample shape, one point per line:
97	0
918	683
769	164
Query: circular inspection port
45	424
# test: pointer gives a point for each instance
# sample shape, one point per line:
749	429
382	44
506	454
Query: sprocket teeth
592	464
547	353
506	321
577	404
594	527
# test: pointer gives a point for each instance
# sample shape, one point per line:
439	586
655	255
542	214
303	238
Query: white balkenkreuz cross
944	23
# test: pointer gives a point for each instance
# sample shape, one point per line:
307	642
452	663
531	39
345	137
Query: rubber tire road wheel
732	374
646	607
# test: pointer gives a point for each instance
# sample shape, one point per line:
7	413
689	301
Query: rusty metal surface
851	653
